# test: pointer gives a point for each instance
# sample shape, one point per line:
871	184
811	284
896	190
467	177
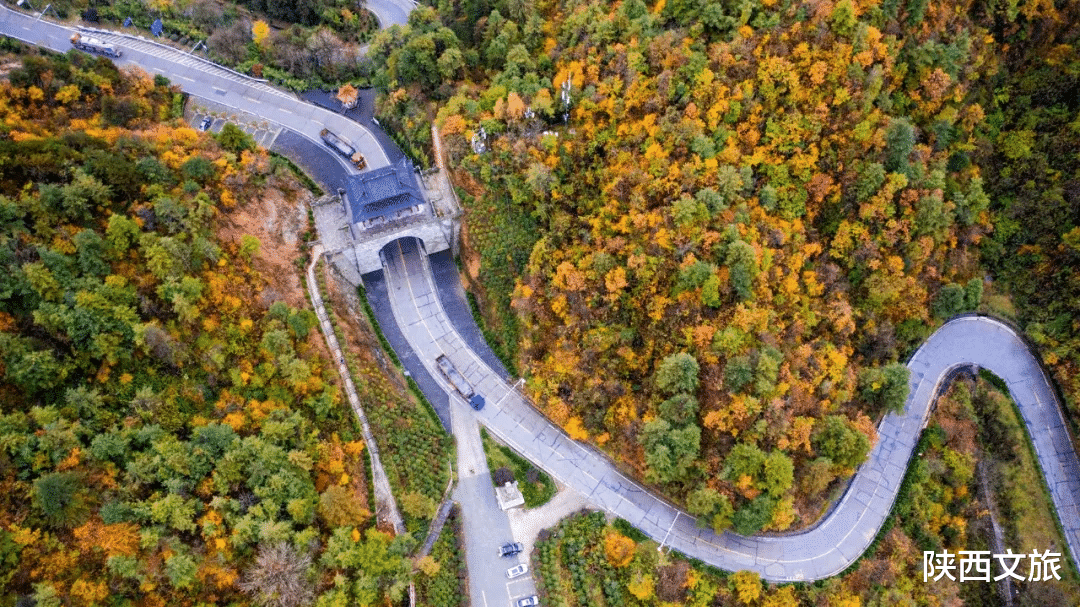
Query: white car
517	571
529	601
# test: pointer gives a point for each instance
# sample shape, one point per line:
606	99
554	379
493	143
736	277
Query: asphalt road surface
485	525
201	78
391	12
847	531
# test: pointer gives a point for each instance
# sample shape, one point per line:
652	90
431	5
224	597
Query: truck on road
344	148
458	381
94	45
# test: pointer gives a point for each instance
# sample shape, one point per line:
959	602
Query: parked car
510	549
477	401
205	124
517	571
529	601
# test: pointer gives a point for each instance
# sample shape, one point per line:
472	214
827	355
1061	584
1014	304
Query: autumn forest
171	431
712	235
708	234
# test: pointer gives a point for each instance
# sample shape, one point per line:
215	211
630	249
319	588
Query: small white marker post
661	546
512	388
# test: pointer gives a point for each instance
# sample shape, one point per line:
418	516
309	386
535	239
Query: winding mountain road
841	537
820	552
390	12
207	80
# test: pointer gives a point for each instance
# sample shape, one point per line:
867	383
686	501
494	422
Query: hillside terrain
710	235
172	431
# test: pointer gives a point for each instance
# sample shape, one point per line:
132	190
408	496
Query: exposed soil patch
277	220
470	257
466	181
6	66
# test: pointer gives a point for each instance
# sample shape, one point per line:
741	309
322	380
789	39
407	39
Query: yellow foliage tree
67	94
576	430
348	95
618	549
88	593
515	107
114	540
783	597
454	124
642	587
429	566
615	280
557	410
846	601
747	586
569	277
783	515
260	31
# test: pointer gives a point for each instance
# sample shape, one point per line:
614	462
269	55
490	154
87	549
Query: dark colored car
205	124
510	549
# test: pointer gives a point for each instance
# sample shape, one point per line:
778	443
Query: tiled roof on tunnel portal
382	192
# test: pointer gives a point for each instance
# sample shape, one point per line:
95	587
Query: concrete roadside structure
385	506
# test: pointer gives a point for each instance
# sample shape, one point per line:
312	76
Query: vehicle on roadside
344	148
458	381
205	124
510	549
529	601
517	571
94	45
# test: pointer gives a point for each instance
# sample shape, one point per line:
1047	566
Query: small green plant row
490	337
389	351
304	178
408	441
447	588
571	561
398	462
546	565
362	294
406	446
